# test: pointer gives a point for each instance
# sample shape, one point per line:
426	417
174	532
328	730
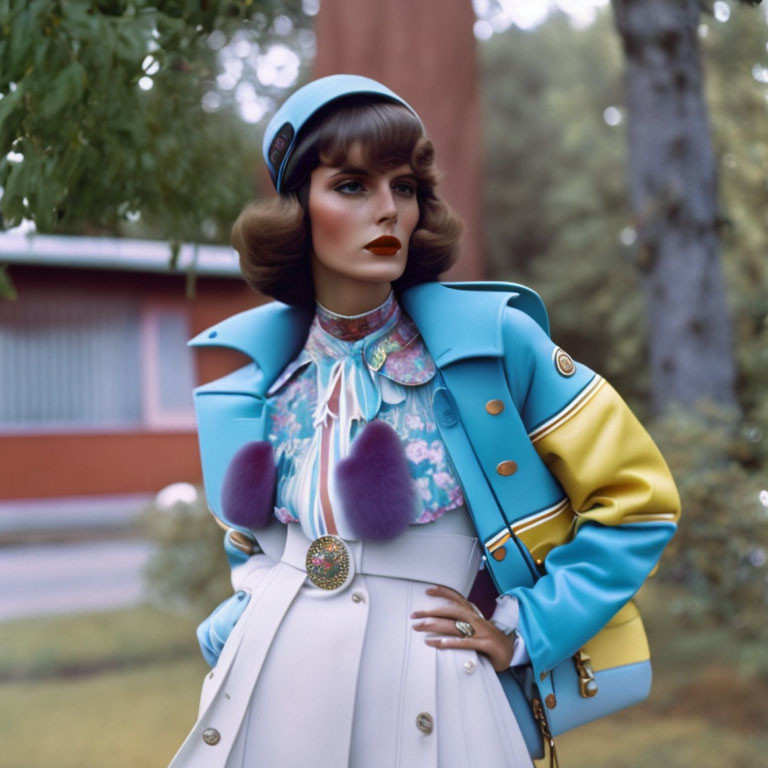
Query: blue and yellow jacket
583	485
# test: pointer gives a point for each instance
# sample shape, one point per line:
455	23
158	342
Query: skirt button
424	722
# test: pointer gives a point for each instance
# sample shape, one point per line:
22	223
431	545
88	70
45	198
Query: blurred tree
735	50
557	216
673	192
109	110
556	193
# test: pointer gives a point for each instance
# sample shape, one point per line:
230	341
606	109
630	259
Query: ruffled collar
392	346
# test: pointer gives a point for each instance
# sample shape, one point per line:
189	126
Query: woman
352	641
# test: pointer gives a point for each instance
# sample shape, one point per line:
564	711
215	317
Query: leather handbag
611	672
595	682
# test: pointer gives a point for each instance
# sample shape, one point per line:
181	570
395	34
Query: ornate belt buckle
329	563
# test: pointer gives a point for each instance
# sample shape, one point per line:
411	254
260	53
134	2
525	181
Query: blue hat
284	127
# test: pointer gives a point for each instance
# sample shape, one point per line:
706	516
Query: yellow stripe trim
543	517
526	523
570	410
498	540
650	518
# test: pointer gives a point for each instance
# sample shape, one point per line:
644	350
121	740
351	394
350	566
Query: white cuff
507	614
520	654
505	618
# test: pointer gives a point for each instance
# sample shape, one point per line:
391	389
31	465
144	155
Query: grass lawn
131	718
101	690
120	690
639	739
77	645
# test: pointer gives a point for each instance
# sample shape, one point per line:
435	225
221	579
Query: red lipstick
386	245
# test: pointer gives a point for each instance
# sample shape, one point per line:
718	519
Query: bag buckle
587	681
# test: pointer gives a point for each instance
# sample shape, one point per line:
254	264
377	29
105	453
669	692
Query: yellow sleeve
608	464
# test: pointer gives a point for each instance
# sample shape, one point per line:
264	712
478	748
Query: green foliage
736	55
189	572
556	189
90	148
721	460
720	552
7	289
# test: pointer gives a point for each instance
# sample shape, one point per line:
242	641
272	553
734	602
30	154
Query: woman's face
361	222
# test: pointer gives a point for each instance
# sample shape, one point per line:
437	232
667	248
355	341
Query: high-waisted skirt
332	679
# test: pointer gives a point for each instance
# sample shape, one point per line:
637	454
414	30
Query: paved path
75	513
68	578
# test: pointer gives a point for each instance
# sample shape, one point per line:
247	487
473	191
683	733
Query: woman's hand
441	620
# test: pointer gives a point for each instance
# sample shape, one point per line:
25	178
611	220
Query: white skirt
311	678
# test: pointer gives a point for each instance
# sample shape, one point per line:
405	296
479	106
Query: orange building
95	376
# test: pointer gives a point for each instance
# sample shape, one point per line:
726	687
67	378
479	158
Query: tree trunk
673	191
426	52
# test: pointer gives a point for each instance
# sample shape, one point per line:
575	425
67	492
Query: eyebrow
353	170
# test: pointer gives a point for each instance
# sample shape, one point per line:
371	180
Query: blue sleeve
212	633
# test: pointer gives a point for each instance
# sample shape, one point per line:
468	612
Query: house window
168	374
92	362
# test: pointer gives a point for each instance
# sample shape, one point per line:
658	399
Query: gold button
211	736
507	468
424	722
500	553
494	407
551	701
543	676
469	666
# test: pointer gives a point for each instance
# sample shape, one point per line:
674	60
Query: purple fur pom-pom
375	484
249	486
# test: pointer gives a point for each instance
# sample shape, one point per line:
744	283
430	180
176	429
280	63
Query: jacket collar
464	320
273	334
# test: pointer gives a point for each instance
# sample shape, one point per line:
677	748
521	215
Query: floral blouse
353	370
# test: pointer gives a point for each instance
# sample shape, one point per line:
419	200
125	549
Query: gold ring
465	628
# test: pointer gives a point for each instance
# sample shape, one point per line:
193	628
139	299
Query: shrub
720	552
188	573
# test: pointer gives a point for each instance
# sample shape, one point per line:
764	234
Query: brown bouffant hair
273	236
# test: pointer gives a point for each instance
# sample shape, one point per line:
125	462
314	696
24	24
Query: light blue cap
283	129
